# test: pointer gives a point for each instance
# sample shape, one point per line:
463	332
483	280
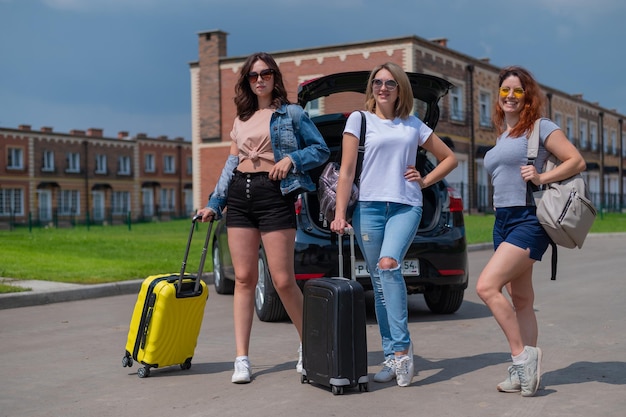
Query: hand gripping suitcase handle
202	258
350	232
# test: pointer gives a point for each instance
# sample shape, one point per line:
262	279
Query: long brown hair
245	99
534	102
404	102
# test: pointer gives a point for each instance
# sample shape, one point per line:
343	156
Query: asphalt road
64	359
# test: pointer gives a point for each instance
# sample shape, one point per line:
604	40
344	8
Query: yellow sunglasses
518	92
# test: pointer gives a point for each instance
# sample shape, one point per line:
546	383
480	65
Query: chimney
142	136
485	60
93	132
46	129
122	134
440	41
25	128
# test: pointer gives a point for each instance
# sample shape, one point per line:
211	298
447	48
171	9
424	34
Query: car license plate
409	267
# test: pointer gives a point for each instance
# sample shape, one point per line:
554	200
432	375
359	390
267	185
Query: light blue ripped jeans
386	230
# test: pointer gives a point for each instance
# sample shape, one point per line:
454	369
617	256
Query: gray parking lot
64	359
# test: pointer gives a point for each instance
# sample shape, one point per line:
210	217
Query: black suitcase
334	342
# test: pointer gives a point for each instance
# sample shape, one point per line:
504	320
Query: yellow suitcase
167	317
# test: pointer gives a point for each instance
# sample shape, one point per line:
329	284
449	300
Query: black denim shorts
255	201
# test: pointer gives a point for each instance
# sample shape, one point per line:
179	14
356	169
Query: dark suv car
436	263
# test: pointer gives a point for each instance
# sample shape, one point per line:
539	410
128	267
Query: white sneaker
242	372
299	364
405	368
388	372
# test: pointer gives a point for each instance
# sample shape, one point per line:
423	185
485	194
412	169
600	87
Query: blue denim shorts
519	226
255	201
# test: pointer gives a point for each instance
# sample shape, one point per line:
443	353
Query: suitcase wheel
363	387
127	361
186	365
143	372
337	390
303	379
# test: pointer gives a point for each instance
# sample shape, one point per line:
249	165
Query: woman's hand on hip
280	169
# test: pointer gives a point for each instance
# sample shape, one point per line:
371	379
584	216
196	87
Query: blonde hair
404	102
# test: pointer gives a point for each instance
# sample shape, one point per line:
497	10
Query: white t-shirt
390	147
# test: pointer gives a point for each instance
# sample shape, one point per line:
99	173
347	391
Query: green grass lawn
100	253
115	253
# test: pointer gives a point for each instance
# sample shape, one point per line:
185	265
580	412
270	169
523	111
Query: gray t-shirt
503	163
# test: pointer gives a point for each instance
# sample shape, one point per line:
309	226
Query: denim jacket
293	135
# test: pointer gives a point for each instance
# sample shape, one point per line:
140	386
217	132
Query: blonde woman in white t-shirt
389	209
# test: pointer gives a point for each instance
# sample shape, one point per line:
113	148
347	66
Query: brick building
82	176
465	112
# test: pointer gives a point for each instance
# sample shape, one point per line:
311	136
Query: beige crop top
253	141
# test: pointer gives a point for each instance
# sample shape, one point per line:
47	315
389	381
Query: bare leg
508	264
279	249
523	297
244	249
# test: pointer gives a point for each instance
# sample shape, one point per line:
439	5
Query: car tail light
450	272
308	276
298	205
456	202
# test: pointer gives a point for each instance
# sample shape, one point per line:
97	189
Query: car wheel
222	284
266	300
444	299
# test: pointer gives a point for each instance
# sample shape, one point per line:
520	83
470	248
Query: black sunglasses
266	75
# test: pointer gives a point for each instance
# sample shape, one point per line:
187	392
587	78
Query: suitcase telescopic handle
349	231
202	257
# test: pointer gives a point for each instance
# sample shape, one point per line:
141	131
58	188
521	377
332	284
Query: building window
485	109
120	201
593	136
48	161
123	165
613	142
11	202
456	103
101	164
569	129
189	165
558	120
169	167
605	141
583	134
68	202
15	158
149	163
168	201
73	162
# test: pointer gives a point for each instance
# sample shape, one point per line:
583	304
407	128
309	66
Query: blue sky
124	64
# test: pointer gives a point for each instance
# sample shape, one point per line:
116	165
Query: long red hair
534	102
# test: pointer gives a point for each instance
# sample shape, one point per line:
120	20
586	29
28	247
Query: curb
32	298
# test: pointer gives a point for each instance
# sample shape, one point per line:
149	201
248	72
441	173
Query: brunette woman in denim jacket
274	145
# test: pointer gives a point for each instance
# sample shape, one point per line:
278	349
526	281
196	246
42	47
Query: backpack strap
361	150
531	155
